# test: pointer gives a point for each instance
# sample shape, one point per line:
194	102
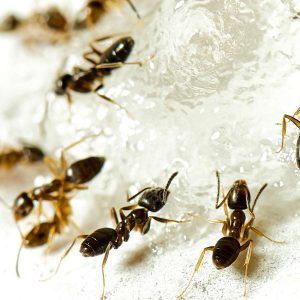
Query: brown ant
91	80
103	240
93	10
9	158
235	229
52	23
297	123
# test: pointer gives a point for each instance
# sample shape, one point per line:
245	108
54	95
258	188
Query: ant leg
162	220
103	266
258	232
50	239
18	259
283	132
211	248
75	226
52	166
63	163
298	152
114	216
82	236
89	59
225	227
138	193
107	37
104	97
248	245
130	207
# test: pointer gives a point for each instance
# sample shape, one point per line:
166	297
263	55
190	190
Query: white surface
224	73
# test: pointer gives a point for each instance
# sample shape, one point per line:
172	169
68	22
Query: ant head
33	154
22	207
10	23
54	19
153	199
239	195
62	83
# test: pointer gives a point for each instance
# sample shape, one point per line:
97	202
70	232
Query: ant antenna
167	186
18	258
133	8
256	198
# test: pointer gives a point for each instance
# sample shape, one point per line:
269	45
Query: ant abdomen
225	252
22	207
117	52
84	170
38	235
97	242
239	197
153	199
33	154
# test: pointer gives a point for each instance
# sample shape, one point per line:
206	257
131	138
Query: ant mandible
235	229
283	133
103	240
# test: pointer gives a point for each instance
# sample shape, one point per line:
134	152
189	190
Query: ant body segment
103	240
9	158
93	10
235	229
297	123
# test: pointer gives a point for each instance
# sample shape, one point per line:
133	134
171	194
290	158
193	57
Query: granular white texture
222	75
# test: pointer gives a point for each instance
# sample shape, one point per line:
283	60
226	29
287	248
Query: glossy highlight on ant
93	10
103	240
92	79
283	133
9	158
235	229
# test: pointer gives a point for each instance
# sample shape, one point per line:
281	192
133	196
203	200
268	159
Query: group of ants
69	178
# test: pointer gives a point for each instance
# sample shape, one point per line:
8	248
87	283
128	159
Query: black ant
67	179
103	240
93	11
235	229
297	123
91	80
9	158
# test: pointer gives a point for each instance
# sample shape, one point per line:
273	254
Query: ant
91	80
297	123
52	22
93	11
9	158
67	179
103	240
235	229
43	232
